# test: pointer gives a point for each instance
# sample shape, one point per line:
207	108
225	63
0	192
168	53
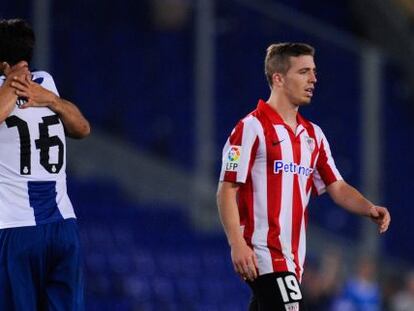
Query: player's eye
304	71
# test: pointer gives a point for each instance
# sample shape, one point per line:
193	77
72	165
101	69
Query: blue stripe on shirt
42	198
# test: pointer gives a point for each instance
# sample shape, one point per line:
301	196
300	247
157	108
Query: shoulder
317	130
45	79
316	127
41	76
309	125
245	130
251	122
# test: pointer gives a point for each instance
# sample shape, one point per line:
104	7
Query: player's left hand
37	96
380	216
20	70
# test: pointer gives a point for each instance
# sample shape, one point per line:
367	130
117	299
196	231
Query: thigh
278	291
253	304
21	268
65	283
6	299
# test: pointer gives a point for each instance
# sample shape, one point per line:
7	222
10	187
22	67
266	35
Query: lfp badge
233	158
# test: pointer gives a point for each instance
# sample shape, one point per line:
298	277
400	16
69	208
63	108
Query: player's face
299	81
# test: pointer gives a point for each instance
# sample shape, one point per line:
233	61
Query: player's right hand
244	261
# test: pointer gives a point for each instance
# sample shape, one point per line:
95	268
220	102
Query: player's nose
312	77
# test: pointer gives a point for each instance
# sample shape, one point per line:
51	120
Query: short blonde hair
278	54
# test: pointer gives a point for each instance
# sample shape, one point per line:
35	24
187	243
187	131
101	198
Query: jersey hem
33	223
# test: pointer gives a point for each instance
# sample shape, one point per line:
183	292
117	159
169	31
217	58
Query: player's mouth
309	91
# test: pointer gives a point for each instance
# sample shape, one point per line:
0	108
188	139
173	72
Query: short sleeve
239	152
326	171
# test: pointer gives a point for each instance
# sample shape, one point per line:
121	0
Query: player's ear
277	79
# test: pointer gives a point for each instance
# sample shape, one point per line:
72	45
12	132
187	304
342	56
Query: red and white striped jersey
277	170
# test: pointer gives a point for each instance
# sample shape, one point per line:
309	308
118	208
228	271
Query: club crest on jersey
310	142
232	158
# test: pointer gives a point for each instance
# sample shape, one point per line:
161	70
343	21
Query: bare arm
243	258
353	201
76	126
8	96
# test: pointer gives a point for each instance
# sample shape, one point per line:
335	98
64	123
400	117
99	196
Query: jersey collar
275	118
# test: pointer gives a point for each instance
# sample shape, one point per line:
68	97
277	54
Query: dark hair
278	54
17	41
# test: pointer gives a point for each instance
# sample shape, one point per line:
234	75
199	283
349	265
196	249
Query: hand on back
20	70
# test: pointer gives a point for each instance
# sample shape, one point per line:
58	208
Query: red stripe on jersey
235	139
311	132
230	176
246	199
324	168
297	208
237	136
274	196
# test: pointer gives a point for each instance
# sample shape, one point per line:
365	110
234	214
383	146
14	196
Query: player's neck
285	109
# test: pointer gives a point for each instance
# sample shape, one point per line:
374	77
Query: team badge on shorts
294	306
232	158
